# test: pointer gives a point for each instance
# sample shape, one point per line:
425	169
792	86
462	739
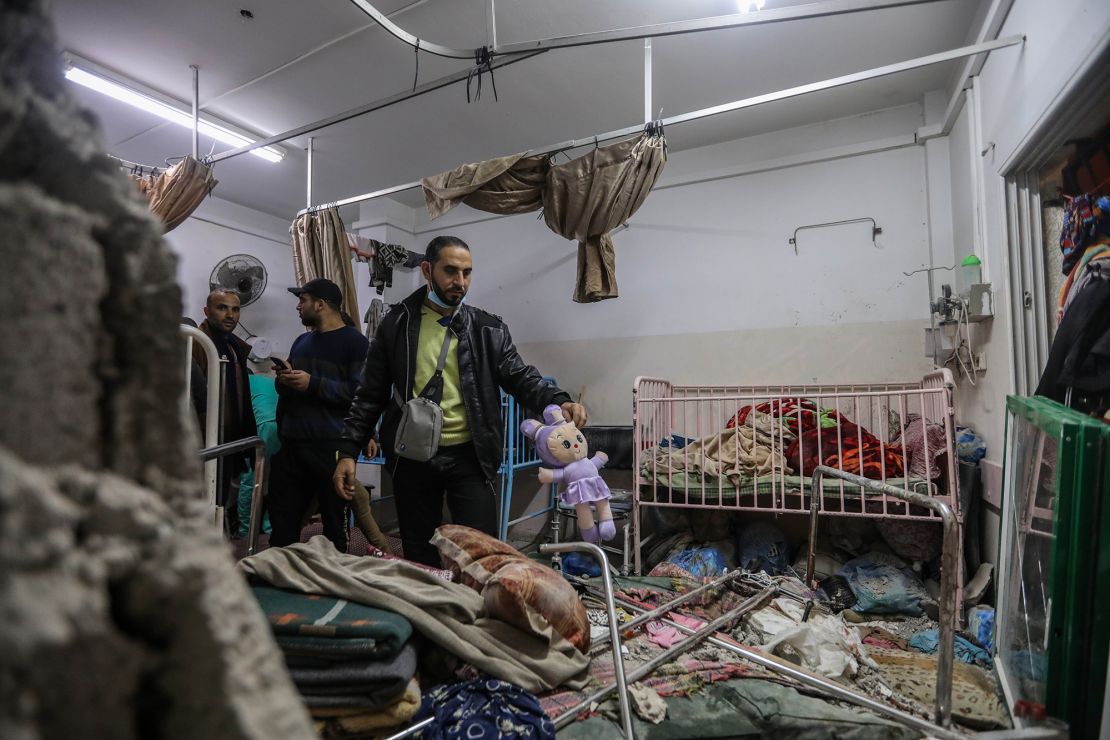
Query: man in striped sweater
315	389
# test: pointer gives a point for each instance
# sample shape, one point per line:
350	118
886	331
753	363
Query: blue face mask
434	298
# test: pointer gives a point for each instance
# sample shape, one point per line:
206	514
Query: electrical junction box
980	302
941	341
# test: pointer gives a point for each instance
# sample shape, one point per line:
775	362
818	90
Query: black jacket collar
460	320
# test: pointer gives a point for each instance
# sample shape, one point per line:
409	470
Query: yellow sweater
455	429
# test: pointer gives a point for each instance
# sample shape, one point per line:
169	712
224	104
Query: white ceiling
297	62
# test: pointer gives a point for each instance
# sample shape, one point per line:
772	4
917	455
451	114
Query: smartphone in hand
279	364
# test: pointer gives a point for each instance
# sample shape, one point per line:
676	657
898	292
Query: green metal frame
1079	565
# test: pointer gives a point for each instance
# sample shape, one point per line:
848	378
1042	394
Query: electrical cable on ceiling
483	62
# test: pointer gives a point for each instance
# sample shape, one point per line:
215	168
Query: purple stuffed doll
562	446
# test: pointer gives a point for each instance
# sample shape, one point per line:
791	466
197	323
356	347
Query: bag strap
433	389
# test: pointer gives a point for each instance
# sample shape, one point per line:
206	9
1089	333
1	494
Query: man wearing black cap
315	388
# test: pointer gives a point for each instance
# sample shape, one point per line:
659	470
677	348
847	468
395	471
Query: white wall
218	229
710	289
1014	96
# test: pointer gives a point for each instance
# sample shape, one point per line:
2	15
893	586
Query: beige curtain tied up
505	185
590	196
320	250
174	194
582	200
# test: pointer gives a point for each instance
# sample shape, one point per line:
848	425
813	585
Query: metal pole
491	23
308	185
614	630
698	636
948	568
258	493
647	80
220	462
196	110
681	599
811	549
212	406
370	107
752	102
762	17
773	15
827	687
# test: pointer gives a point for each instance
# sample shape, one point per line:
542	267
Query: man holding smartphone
315	387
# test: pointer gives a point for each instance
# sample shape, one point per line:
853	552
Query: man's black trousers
419	489
302	471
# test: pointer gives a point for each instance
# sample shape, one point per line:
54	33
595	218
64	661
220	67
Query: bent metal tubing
696	637
621	684
948	569
826	687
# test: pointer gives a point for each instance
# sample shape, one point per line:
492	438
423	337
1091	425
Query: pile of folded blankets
354	665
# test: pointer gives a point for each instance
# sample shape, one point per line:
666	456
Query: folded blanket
306	651
336	723
370	686
356	677
448	614
295	613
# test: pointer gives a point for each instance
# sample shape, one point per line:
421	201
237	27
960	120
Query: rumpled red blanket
794	412
846	447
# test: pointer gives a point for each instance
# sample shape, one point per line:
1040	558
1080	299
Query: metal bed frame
520	454
662	409
712	633
213	410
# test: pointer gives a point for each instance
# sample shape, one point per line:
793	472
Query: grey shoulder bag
421	417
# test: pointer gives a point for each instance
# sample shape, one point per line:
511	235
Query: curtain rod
372	106
944	56
760	17
502	56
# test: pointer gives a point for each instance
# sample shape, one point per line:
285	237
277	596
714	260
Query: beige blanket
448	614
751	449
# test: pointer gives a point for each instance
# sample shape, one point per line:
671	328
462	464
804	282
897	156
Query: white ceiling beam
760	17
792	92
378	104
756	18
972	66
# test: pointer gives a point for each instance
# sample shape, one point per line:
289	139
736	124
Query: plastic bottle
971	270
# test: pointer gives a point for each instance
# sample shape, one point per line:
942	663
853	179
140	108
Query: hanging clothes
321	250
374	316
173	195
1080	353
386	257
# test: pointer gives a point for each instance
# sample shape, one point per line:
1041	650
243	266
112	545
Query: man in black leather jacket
481	358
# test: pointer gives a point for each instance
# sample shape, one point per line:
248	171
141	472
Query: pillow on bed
535	598
460	546
481	570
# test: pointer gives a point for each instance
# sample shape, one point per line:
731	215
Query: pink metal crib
665	415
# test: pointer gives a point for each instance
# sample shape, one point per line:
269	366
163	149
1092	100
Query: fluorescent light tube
139	100
747	5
